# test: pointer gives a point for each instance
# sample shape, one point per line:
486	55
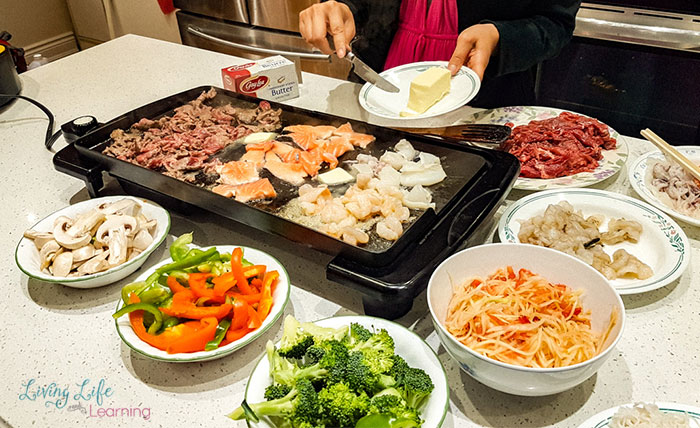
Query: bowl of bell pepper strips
202	303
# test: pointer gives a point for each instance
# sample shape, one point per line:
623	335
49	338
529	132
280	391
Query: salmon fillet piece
290	172
338	146
321	132
237	172
306	139
256	157
356	138
282	149
260	189
264	146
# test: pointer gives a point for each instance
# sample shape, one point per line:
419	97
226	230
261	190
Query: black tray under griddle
477	182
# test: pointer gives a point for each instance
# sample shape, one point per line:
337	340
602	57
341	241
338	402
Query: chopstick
672	153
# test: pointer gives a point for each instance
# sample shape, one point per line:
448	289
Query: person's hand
331	18
474	48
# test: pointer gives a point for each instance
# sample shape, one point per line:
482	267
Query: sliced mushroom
47	253
133	253
114	222
118	244
83	253
76	265
145	223
142	240
63	237
95	264
86	222
39	238
123	206
62	264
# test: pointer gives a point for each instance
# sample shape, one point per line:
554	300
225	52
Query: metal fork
472	132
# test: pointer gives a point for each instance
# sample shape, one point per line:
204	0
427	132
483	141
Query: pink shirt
425	33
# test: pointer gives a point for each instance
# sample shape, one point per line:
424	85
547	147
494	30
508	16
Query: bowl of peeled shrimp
523	319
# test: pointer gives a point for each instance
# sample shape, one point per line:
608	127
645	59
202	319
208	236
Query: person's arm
528	41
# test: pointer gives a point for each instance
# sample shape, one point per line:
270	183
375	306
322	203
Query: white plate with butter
464	87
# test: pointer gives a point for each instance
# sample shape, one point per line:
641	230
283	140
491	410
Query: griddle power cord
50	136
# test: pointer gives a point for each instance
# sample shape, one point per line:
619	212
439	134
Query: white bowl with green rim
28	259
408	345
280	297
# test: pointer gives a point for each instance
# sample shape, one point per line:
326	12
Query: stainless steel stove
633	64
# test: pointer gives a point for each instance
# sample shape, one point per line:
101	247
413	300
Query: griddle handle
69	161
463	221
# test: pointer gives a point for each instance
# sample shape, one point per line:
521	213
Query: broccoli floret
300	406
286	372
390	402
385	402
276	391
378	351
358	334
314	354
295	341
358	375
416	385
380	341
341	406
327	352
324	333
399	368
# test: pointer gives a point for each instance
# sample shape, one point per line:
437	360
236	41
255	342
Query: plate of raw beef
558	148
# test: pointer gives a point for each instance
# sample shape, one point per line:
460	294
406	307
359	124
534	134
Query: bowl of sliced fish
93	243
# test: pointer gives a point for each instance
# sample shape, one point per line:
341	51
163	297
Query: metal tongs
364	71
480	134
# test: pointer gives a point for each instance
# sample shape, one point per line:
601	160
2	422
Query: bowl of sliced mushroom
93	243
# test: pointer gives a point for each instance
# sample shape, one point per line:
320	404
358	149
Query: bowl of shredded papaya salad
524	319
202	303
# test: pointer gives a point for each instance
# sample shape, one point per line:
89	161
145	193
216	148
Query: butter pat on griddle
426	89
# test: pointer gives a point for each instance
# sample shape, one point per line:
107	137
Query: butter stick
427	88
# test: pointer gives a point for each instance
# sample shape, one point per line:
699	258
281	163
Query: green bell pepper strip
221	330
134	287
185	263
152	309
225	257
179	248
205	267
170	322
155	293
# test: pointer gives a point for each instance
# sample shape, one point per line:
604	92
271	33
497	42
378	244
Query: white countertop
50	334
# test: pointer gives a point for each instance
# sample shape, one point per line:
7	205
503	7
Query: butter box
272	78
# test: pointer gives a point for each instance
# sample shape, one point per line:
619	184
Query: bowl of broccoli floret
346	371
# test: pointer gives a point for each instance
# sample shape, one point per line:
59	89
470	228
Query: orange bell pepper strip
256	283
233	335
189	310
195	340
198	285
255	270
248	298
174	284
266	301
184	296
223	283
240	314
237	271
254	320
159	341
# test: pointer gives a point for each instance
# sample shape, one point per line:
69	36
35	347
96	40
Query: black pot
9	80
